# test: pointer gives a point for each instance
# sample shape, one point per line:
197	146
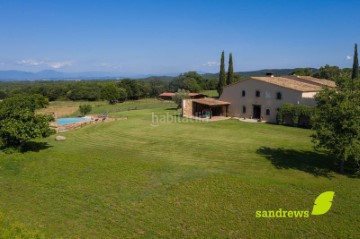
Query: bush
85	109
180	96
295	115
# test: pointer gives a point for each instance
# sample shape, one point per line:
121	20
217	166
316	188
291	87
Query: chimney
269	74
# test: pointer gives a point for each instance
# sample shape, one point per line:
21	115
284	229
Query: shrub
180	96
85	109
295	115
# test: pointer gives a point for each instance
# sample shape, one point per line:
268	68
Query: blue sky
160	37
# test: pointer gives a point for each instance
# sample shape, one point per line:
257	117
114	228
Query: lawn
143	178
71	108
210	93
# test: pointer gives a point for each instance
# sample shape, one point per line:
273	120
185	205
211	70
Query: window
267	111
278	96
257	93
243	93
244	109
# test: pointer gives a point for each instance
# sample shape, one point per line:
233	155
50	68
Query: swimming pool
72	120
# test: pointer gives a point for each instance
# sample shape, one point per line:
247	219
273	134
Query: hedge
295	115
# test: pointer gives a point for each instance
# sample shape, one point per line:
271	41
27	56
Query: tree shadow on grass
317	164
32	146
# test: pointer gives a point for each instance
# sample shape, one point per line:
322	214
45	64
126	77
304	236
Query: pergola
213	106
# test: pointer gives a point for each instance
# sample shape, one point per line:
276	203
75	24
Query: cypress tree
355	70
222	74
230	74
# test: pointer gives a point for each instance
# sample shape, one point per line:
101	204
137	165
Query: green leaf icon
323	203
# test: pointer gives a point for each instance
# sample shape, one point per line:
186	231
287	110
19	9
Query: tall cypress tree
222	74
230	74
355	70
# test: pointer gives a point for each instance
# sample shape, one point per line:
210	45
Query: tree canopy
192	82
302	72
337	121
19	123
110	93
179	96
355	69
230	74
222	74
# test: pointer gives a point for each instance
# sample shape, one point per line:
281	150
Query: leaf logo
323	203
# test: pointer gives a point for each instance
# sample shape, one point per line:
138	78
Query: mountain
49	74
89	75
53	75
15	75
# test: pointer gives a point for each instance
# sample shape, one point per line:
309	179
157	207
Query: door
256	111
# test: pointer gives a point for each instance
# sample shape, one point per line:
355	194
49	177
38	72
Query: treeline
132	89
325	72
112	90
84	90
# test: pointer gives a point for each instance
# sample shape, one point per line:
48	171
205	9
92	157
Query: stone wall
187	107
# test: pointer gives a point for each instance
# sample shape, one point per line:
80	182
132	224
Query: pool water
72	120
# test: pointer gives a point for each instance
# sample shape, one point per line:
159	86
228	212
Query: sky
167	37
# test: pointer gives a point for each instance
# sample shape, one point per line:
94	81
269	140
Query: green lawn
210	93
134	178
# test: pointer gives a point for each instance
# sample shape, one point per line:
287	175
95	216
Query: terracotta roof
171	94
211	102
312	80
290	83
167	94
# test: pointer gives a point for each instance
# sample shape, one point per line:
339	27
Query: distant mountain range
52	75
13	75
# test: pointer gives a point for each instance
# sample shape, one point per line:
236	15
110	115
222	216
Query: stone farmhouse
258	97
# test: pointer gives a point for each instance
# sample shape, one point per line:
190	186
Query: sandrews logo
323	203
321	206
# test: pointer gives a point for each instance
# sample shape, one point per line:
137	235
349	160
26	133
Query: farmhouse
260	97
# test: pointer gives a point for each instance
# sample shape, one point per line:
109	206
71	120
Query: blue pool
72	120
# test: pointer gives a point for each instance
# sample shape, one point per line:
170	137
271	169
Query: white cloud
211	63
52	64
30	62
109	65
348	58
58	65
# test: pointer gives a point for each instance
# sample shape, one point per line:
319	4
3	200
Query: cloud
109	65
57	65
30	62
52	64
211	63
348	58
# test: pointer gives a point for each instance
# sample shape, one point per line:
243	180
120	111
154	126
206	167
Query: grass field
210	93
140	179
71	108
